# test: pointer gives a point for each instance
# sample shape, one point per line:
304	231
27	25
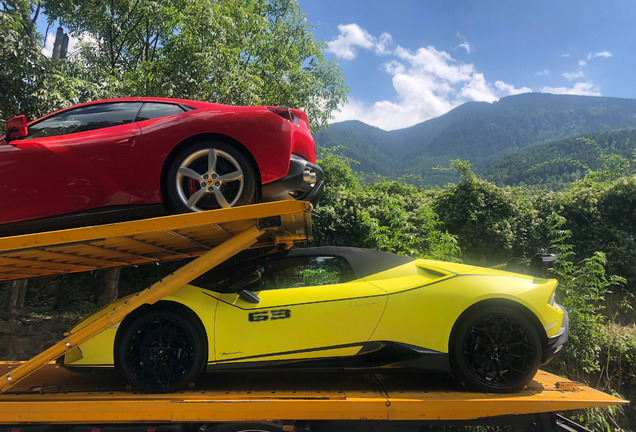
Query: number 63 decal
272	315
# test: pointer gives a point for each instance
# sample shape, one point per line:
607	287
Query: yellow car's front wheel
496	349
162	351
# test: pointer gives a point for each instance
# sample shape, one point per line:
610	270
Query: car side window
303	272
153	110
85	118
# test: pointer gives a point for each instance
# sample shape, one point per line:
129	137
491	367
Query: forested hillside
481	132
557	164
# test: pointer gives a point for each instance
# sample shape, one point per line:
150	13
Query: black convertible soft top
363	262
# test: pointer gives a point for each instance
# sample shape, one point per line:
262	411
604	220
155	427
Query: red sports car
132	153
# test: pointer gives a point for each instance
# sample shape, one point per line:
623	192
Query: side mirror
16	128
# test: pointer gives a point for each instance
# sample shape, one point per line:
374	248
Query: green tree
20	57
30	83
240	52
124	33
491	223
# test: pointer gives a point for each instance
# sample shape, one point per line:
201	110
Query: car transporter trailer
38	395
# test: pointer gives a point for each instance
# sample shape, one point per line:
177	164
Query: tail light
285	113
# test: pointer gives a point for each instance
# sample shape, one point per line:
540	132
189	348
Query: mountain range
485	134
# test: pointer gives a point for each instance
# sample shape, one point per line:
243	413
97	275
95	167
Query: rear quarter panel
268	137
425	316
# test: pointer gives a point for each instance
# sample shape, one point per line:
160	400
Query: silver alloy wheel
209	172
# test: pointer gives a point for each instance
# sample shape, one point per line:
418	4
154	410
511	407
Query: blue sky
407	61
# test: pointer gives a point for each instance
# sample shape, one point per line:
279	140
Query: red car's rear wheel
210	175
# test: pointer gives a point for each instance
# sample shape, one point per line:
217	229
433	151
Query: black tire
162	351
495	349
209	175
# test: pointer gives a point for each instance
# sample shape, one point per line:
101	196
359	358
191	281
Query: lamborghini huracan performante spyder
131	153
337	308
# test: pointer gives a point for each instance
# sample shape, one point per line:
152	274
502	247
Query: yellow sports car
337	308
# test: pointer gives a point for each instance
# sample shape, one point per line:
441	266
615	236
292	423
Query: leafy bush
387	216
491	223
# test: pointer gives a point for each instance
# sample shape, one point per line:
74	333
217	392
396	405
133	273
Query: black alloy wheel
162	351
496	349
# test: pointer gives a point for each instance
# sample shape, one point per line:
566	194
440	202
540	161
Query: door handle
127	142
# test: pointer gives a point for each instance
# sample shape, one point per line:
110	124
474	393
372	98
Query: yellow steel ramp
211	237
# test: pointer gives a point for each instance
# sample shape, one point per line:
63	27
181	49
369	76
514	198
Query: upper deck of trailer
148	240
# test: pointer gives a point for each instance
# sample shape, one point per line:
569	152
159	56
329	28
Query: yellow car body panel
442	302
307	320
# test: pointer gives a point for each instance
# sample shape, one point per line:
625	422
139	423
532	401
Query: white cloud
601	54
580	88
383	44
511	90
47	49
466	46
572	76
428	83
351	36
394	67
595	55
478	89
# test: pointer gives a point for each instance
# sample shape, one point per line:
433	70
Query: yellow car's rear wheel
496	349
162	351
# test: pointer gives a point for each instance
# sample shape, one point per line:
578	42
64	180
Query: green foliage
18	48
582	288
491	223
591	225
316	277
593	157
592	347
387	216
30	83
239	52
601	215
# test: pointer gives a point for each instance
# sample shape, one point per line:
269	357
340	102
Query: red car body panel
122	165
